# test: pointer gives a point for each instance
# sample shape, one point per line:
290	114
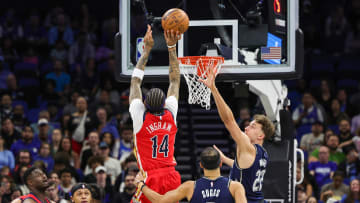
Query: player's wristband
138	73
142	186
172	46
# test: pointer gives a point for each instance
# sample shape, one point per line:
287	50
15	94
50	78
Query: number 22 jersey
252	178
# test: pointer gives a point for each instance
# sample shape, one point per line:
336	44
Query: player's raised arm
226	115
171	38
185	190
138	74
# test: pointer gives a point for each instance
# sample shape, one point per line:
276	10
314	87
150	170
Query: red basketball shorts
161	181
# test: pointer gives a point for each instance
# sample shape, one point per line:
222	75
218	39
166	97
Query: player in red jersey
154	122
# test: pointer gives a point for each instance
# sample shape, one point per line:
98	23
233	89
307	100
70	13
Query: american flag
270	53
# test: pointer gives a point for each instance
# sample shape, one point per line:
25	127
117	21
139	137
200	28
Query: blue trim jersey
252	178
212	191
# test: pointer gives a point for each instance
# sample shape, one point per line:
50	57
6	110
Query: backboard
258	39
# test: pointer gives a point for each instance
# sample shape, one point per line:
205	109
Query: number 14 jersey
155	141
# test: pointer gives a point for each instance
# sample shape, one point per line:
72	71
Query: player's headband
80	186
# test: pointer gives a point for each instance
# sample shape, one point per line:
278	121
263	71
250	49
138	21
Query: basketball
175	19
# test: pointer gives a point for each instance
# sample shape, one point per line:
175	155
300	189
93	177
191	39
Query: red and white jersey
155	137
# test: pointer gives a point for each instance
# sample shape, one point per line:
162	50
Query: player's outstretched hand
171	37
139	178
210	78
148	39
222	156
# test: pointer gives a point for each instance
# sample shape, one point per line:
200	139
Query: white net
194	68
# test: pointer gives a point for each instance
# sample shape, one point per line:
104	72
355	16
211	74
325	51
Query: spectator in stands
336	189
3	74
27	141
311	199
59	52
6	110
80	124
307	112
351	166
352	42
345	137
12	88
66	182
10	27
105	126
355	124
61	31
244	114
335	154
6	183
61	78
44	114
19	118
129	190
323	169
114	96
93	163
345	105
23	158
65	146
103	181
354	194
335	115
52	192
19	178
34	33
89	79
126	142
70	108
44	134
104	102
313	140
336	27
9	133
49	95
82	50
5	170
15	192
112	165
305	185
356	140
325	95
9	51
93	149
128	166
114	144
44	155
6	156
55	141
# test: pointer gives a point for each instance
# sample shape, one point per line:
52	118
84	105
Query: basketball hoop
194	68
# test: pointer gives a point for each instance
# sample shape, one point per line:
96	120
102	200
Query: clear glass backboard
259	39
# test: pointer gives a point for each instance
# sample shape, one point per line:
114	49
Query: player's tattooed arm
171	38
135	87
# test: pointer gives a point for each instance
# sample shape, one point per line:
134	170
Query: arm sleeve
137	110
171	104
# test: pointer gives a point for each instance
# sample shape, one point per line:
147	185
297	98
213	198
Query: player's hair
210	158
28	173
155	100
267	126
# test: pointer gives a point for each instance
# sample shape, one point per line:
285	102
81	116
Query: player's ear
220	165
201	166
261	136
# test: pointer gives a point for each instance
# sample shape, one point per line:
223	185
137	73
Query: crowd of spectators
60	107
